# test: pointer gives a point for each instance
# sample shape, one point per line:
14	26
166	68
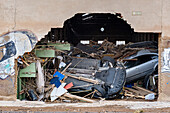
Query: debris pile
60	72
139	92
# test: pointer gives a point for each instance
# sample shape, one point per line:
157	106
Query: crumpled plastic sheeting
40	78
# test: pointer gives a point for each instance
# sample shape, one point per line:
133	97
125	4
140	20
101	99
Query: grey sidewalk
126	104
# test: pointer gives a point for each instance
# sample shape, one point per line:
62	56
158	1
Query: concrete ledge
126	104
8	98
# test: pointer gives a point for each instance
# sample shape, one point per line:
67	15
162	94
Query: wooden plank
78	70
49	87
143	89
66	68
83	79
79	98
136	91
129	59
24	61
131	95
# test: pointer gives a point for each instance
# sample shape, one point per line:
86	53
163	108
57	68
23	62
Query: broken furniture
50	49
27	72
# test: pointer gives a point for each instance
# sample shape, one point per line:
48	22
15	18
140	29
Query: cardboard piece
57	92
68	86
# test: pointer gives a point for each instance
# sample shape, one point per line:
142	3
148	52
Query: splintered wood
79	98
137	92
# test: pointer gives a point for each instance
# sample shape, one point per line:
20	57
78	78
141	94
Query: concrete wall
165	18
40	16
164	69
164	43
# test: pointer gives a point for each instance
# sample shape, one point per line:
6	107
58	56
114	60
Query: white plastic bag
150	96
40	78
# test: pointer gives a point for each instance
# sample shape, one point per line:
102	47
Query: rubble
139	92
56	72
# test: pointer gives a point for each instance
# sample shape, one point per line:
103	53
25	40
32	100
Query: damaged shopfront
115	62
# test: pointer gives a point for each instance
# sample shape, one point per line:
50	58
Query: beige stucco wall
40	16
165	18
164	77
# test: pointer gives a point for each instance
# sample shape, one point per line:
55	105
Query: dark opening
139	37
100	26
97	27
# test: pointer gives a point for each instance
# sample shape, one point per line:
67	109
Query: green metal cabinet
44	53
60	46
29	71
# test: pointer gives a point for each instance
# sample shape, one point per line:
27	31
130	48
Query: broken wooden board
83	71
136	96
135	91
144	90
83	79
78	97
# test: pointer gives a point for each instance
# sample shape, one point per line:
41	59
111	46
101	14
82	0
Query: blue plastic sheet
58	74
55	81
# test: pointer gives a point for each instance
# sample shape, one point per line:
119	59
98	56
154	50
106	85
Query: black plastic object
77	83
100	91
86	48
112	83
114	79
32	95
109	59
